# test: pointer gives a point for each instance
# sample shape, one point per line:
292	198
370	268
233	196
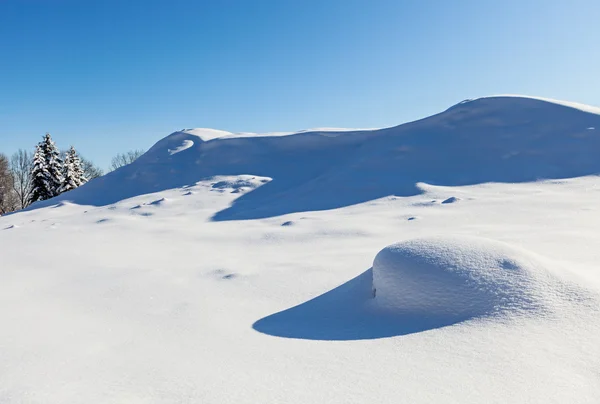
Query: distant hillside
492	139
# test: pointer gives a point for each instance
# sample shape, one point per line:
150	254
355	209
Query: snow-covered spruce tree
78	167
39	176
46	171
72	173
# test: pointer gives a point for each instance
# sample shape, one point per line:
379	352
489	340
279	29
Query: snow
158	283
186	144
452	279
452	199
206	134
575	105
501	139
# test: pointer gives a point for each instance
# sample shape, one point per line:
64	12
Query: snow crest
184	146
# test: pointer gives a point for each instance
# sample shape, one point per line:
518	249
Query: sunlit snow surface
315	288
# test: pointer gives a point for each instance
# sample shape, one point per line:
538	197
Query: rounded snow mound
462	277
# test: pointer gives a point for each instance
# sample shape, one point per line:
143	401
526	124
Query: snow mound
494	139
431	283
452	199
158	202
460	278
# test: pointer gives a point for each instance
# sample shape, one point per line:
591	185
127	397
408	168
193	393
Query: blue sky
112	75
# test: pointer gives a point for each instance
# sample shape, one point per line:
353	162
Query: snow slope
393	297
497	139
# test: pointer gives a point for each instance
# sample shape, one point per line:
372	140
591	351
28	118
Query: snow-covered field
256	269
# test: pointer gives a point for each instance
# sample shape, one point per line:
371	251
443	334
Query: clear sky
112	75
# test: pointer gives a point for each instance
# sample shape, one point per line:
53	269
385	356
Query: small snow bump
61	204
288	223
223	274
452	199
158	202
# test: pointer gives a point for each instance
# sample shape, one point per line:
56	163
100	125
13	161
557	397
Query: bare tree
20	167
90	170
122	159
8	199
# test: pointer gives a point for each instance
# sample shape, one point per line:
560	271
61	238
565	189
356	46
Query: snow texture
143	286
458	278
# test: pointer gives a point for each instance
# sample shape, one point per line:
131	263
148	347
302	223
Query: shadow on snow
347	312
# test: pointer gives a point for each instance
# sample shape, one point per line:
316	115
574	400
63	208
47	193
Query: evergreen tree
78	167
47	171
72	173
39	176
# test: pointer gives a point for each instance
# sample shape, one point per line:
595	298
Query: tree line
28	177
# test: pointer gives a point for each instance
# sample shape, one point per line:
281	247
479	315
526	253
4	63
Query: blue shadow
348	312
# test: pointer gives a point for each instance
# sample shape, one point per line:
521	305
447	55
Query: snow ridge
490	139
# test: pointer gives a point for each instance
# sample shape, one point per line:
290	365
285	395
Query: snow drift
494	139
424	284
462	278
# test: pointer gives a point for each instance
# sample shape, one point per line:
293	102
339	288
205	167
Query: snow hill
447	274
494	139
